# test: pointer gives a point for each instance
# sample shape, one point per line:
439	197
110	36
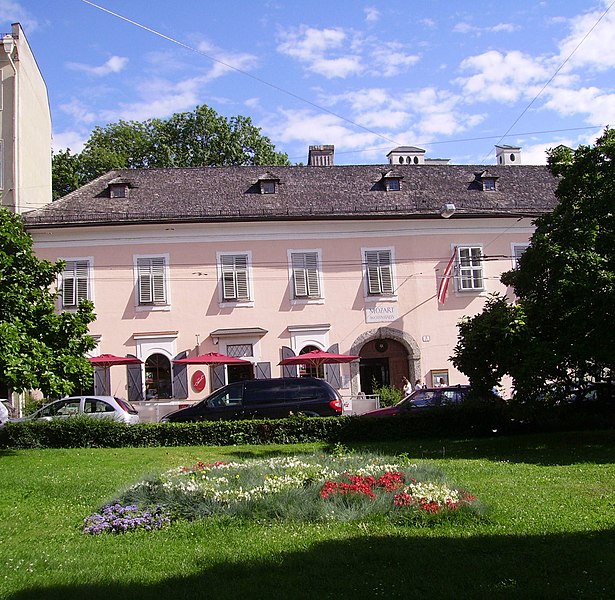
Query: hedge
454	421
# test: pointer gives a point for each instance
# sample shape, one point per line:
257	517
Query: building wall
25	129
421	249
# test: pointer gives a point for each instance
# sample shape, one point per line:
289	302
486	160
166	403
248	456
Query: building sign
381	313
198	381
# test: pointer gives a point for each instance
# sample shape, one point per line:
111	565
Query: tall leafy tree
39	347
565	282
191	139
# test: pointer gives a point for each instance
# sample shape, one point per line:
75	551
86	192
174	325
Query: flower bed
303	487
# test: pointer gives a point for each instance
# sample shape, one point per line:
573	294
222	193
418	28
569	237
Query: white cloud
73	140
79	112
464	28
597	105
371	14
389	59
14	12
596	50
314	48
501	77
225	61
336	53
115	64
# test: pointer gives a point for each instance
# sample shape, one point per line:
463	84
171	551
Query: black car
264	398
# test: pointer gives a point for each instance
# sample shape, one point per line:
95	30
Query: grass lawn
549	532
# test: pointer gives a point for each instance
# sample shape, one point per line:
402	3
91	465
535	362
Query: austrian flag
446	276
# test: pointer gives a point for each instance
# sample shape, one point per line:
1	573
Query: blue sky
455	78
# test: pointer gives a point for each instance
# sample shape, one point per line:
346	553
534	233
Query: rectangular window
75	283
305	274
151	284
470	268
379	272
518	250
235	284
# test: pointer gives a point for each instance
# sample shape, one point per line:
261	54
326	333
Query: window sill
374	299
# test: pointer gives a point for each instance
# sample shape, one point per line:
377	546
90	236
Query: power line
561	66
238	70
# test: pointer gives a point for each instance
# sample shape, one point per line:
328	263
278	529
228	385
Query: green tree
192	139
565	284
39	347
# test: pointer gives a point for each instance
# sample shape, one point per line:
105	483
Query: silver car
97	407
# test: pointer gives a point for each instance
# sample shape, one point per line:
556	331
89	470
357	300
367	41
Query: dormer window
268	183
118	190
392	181
268	187
487	182
119	187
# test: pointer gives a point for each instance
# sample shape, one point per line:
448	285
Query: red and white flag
446	277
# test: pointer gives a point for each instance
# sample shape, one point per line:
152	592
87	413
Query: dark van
264	399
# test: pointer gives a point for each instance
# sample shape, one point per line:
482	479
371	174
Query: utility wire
260	80
544	87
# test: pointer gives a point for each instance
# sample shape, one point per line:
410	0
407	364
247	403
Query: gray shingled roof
335	192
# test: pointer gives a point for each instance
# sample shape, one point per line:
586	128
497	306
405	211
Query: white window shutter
68	288
81	272
145	282
379	272
235	285
158	285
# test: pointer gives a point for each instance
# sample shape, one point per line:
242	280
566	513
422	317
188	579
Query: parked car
264	398
423	399
4	413
97	407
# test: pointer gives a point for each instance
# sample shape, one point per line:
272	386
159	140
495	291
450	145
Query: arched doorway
387	355
383	362
311	370
158	377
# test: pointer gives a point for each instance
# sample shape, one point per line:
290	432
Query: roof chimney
321	156
508	155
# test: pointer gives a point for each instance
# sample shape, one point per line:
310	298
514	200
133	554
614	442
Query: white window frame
371	273
85	278
309	276
162	302
516	251
469	269
231	276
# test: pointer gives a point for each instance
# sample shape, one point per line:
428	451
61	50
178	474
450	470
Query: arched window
311	370
158	377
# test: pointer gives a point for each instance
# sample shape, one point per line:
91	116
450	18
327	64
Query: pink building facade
263	263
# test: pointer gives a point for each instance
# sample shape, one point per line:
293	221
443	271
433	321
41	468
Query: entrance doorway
158	384
239	373
374	373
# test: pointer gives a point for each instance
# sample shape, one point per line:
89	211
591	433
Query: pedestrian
418	385
406	386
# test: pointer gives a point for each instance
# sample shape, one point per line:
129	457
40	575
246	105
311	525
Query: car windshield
129	408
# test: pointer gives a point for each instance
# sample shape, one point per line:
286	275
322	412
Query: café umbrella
316	358
106	361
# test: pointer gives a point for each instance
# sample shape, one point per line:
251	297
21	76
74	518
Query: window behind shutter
151	283
235	285
74	282
379	273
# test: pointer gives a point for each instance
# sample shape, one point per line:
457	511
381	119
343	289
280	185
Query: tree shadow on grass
580	565
545	449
